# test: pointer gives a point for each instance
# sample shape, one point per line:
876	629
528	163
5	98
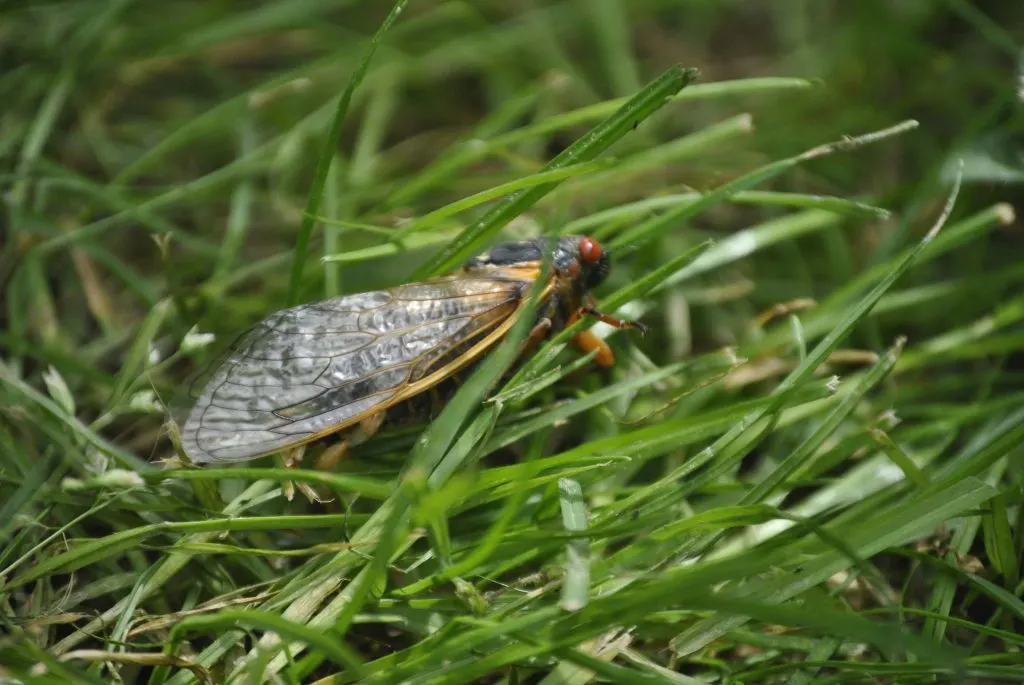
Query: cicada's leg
586	342
365	430
334	453
612	321
292	457
540	329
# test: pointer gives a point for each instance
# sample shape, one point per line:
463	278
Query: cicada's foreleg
541	329
612	321
587	341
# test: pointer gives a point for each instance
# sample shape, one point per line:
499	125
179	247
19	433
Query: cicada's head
579	262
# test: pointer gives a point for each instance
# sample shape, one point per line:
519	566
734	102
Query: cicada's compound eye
590	250
596	261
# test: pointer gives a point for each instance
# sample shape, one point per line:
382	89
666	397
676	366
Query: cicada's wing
308	371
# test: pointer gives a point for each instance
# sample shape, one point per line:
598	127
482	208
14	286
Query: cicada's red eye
590	250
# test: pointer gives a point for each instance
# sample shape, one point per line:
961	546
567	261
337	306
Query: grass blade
316	192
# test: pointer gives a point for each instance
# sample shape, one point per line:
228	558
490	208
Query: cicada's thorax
577	264
562	307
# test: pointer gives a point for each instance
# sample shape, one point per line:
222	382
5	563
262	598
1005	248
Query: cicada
349	363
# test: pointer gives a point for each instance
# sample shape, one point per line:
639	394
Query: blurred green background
204	121
173	109
147	122
157	158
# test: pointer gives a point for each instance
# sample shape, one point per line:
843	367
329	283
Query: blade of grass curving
650	441
89	551
657	157
342	482
1001	437
487	141
532	181
413	242
900	458
746	242
516	395
439	215
816	616
602	110
564	411
955	236
631	239
578	667
766	198
330	147
587	148
821	351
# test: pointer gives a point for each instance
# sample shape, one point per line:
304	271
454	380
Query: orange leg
587	342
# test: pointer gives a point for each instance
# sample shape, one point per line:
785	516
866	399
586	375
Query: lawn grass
809	470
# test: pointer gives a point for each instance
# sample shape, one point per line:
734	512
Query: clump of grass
809	471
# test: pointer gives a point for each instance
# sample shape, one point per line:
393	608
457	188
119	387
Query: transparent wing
307	371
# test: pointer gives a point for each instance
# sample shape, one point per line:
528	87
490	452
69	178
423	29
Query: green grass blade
587	148
576	583
330	147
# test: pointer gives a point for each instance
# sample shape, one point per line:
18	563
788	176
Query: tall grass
808	472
